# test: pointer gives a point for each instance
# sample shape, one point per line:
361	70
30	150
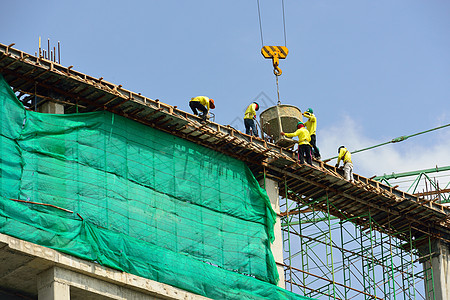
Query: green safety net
107	189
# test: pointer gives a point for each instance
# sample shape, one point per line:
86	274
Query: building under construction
108	194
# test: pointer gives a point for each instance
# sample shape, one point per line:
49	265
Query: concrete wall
37	272
271	187
437	272
51	108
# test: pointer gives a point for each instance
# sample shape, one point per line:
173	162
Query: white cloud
412	154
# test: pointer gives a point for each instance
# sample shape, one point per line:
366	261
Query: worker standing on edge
203	104
304	148
346	157
249	119
311	125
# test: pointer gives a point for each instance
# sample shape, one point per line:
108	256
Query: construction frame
337	259
342	240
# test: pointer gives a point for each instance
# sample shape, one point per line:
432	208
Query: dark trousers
304	152
250	123
194	105
315	150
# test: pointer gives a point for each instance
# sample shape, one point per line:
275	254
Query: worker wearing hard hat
304	148
249	119
311	125
202	104
346	157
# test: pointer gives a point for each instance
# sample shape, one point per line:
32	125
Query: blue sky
371	70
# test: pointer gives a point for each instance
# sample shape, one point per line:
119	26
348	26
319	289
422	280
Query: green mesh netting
136	199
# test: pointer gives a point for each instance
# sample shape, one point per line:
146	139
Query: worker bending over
203	104
249	119
311	125
346	157
304	148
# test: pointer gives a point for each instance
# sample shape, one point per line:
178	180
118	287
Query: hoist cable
284	23
278	92
262	41
260	24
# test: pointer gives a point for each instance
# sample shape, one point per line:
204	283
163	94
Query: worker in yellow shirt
346	157
249	119
304	148
311	125
203	104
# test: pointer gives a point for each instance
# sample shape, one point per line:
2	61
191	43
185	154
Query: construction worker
346	157
304	148
249	119
311	125
203	104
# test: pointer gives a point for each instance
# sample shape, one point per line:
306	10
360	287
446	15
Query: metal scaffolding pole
336	258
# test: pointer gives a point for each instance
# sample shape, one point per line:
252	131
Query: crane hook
275	53
277	71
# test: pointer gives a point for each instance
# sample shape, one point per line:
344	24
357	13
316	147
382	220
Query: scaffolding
422	183
334	258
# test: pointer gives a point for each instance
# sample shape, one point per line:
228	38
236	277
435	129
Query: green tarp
136	199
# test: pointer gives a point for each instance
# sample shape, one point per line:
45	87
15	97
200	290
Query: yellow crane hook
275	53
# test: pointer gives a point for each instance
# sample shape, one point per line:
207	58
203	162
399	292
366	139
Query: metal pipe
412	173
396	140
44	204
337	283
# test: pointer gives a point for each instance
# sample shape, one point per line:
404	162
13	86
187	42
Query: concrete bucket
280	118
